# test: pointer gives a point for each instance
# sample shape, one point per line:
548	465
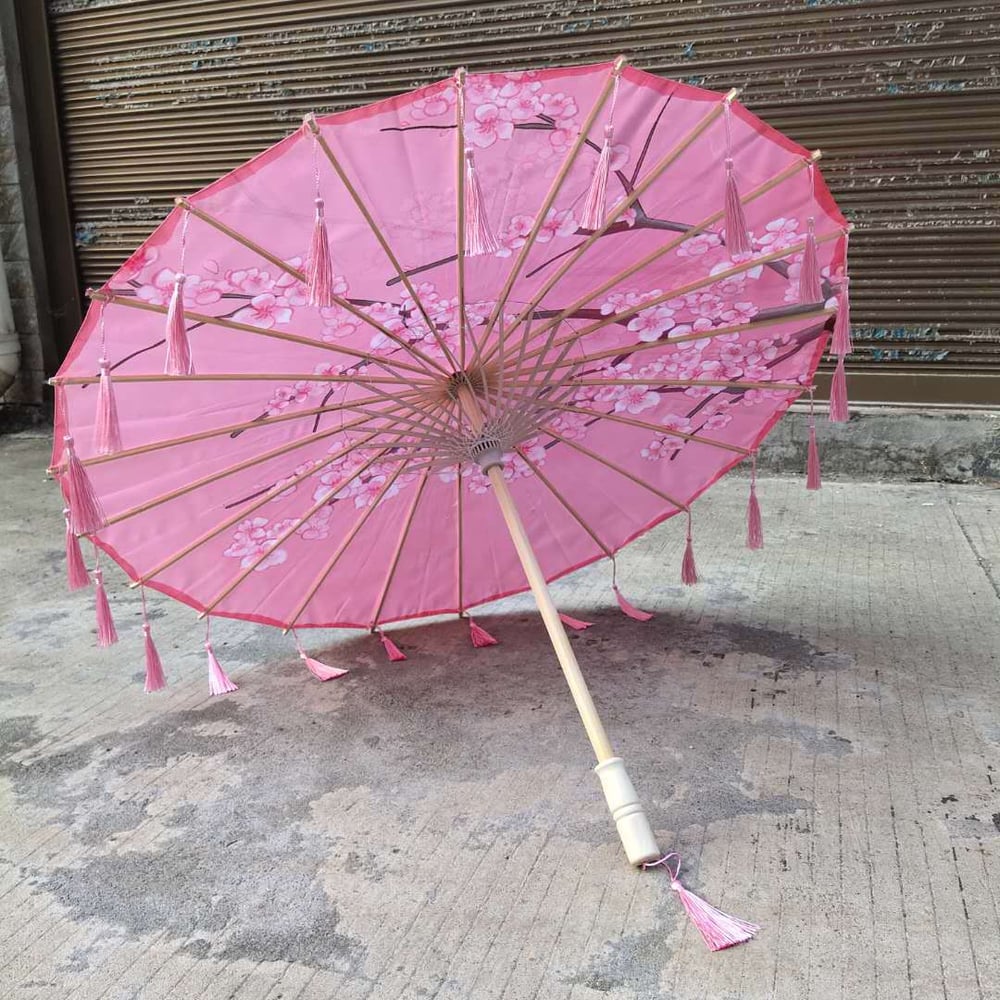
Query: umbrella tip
309	121
816	154
619	64
460	75
732	95
135	583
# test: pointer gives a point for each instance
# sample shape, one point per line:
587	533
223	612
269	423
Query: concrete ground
815	728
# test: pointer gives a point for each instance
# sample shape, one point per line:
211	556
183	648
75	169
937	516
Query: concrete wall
23	402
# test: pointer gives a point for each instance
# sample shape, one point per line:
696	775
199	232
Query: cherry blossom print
489	123
288	395
317	527
197	290
251	281
143	258
557	223
635	399
698	246
717	421
338	324
738	312
661	447
651	324
521	99
779	234
264	311
434	105
291	480
618	302
256	536
559	106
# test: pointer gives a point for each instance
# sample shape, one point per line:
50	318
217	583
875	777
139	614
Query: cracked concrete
813	728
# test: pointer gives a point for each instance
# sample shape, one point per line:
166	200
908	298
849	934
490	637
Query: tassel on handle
630	609
320	272
107	634
479	238
77	576
86	515
839	412
578	624
718	930
810	278
479	636
107	432
395	654
593	213
178	360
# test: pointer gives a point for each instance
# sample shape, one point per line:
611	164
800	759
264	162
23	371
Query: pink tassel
689	572
737	235
218	681
155	681
575	623
839	413
321	670
810	279
85	512
719	930
813	481
107	433
593	214
755	529
178	360
480	637
316	667
841	343
320	263
76	569
395	654
630	609
479	238
107	634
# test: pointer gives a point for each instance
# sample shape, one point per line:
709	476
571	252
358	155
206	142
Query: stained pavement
815	728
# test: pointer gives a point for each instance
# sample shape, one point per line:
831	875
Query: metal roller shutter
159	98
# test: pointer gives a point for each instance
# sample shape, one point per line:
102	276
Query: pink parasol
415	353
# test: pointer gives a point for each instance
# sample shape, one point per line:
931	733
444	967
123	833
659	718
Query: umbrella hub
475	378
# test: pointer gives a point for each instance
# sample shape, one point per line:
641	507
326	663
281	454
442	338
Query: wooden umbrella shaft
550	616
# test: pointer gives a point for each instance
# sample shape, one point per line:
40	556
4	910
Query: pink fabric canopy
315	470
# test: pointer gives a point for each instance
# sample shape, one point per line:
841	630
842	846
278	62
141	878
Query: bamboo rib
653	345
231	471
242	377
572	383
299	522
671	244
546	404
299	276
241	514
403	535
617	418
460	540
245	425
711	279
341	549
230	324
460	209
576	446
550	197
379	235
621	207
241	239
545	481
